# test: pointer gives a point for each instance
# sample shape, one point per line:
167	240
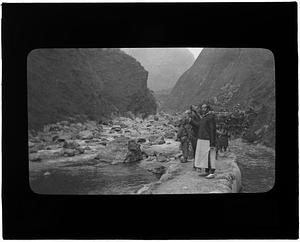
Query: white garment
202	152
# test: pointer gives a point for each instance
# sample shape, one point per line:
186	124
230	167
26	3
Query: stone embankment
181	178
150	143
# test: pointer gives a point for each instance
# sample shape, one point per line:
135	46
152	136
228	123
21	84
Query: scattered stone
47	173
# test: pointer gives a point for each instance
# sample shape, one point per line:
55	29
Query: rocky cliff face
165	65
90	83
229	77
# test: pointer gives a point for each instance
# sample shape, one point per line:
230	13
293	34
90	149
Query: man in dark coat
206	143
194	115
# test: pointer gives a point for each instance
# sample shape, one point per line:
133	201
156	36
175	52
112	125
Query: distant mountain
230	76
165	65
87	82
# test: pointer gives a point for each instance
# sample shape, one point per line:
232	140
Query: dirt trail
185	180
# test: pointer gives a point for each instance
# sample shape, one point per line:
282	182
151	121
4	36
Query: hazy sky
195	51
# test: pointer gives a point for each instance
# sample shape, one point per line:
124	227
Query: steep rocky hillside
165	65
90	83
229	77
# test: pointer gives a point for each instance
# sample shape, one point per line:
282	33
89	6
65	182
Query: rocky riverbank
149	143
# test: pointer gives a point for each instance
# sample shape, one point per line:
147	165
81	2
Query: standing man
206	142
194	115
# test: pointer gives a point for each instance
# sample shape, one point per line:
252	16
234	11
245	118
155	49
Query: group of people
204	133
198	129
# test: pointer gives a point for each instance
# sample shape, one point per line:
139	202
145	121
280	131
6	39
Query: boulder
170	135
61	138
134	152
116	128
153	167
70	144
159	141
161	158
69	152
47	154
35	157
36	147
65	123
115	150
141	140
53	147
85	134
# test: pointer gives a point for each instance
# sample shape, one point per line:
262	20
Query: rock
141	140
116	128
47	173
65	123
70	145
170	135
61	138
161	158
50	154
158	170
115	150
69	152
30	144
152	138
36	148
160	141
103	143
153	166
177	156
80	150
86	134
53	147
91	125
134	152
156	118
35	157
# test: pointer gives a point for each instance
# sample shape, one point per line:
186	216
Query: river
256	162
257	165
91	177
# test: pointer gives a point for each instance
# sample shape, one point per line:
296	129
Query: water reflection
90	178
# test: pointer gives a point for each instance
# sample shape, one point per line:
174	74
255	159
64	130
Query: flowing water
257	165
91	177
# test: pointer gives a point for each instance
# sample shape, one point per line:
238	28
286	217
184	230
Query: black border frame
27	215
